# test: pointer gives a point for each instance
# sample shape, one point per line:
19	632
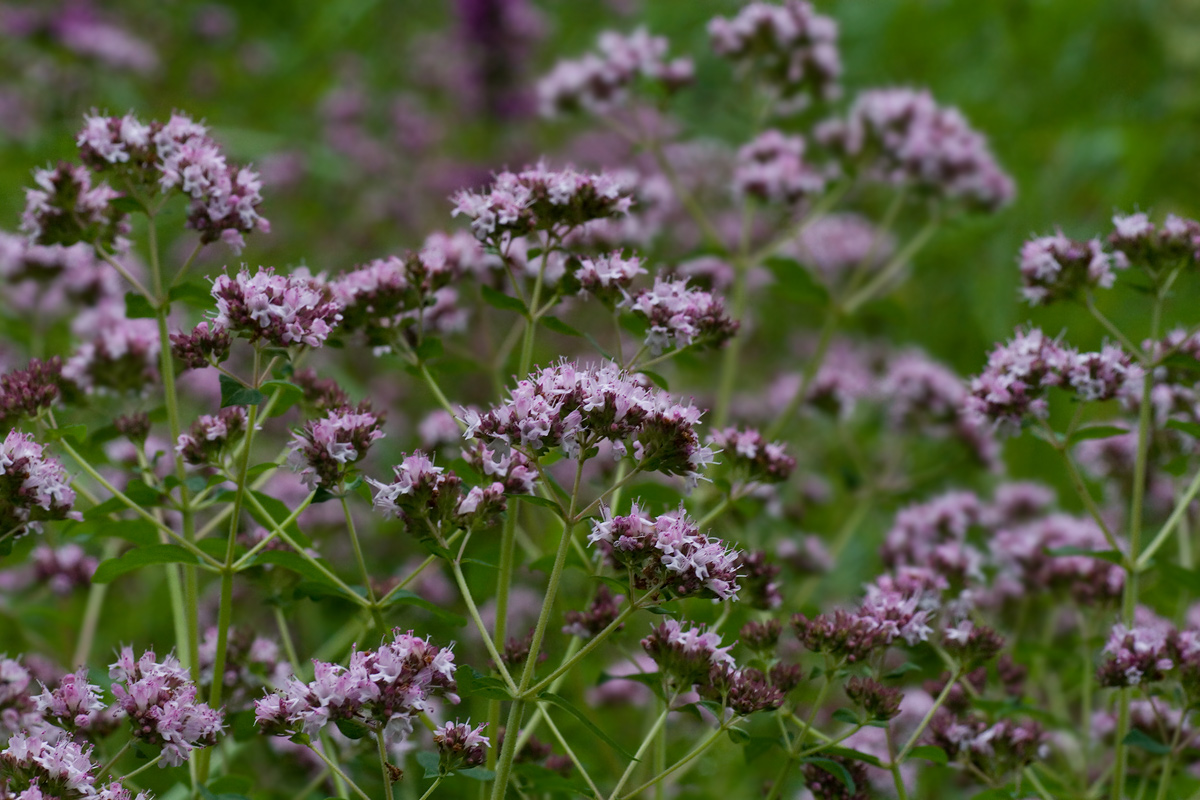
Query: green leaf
127	204
566	705
854	755
430	348
619	586
237	784
902	670
758	746
598	346
541	780
930	752
1111	556
77	432
665	612
1181	361
994	794
476	773
294	562
235	394
431	762
658	380
1096	432
835	769
738	736
651	680
403	597
846	715
352	728
1190	428
142	557
196	294
289	395
535	500
502	301
558	326
138	307
473	683
139	531
136	490
1136	738
795	283
242	725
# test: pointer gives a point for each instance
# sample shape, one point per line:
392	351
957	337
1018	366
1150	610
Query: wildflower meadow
512	399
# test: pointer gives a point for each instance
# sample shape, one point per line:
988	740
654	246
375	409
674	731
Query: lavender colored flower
602	611
837	244
55	279
66	208
772	169
884	616
390	293
1057	268
121	356
600	81
209	436
324	450
994	750
608	276
33	486
321	394
687	656
73	705
206	345
825	784
26	393
679	315
42	766
919	529
879	701
792	46
384	689
972	645
542	199
512	469
276	310
569	406
160	702
1026	553
1136	655
1104	375
743	691
460	746
178	155
904	138
667	553
748	450
427	495
1138	241
63	568
1013	385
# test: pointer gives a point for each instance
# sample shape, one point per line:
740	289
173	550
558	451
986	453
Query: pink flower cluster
385	689
42	766
121	355
1018	373
792	46
460	746
424	492
159	699
575	407
746	449
278	310
667	553
542	199
772	169
54	279
63	568
836	244
1138	654
73	705
903	137
600	81
1138	241
178	155
210	434
889	612
608	276
33	485
66	208
26	393
681	315
1056	268
324	450
206	345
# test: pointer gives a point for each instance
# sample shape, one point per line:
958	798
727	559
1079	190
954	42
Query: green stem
338	771
889	271
108	765
696	752
432	788
832	316
1172	522
143	767
483	631
569	751
916	735
641	751
240	564
508	544
372	603
584	651
91	613
383	765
